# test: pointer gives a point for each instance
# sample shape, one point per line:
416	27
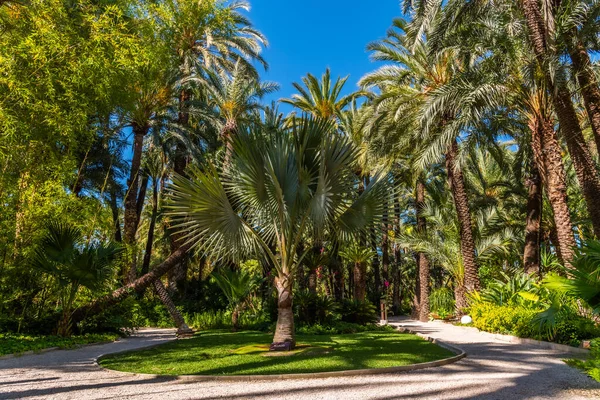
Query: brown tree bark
131	215
463	212
115	215
548	158
385	248
360	281
583	164
588	85
163	295
284	329
533	224
423	263
150	240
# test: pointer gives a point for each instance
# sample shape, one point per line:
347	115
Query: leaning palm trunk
137	286
284	330
583	164
531	252
463	212
163	295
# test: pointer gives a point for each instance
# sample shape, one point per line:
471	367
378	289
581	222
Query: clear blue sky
311	35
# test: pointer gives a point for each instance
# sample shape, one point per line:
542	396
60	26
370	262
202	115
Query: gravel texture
492	370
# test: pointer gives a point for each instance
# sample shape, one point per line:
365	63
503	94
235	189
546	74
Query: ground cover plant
225	353
16	344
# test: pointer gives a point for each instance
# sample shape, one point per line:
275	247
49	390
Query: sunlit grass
226	353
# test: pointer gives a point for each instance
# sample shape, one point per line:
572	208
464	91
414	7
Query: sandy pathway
492	370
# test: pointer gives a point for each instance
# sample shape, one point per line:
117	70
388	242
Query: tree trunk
463	212
115	215
150	240
385	248
423	261
460	298
588	84
235	317
131	215
180	163
533	224
284	330
547	154
164	297
360	281
137	286
584	165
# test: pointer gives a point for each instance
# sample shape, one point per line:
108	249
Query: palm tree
275	190
321	98
64	254
417	83
237	286
236	97
359	256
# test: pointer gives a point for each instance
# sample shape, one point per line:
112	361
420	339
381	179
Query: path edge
459	354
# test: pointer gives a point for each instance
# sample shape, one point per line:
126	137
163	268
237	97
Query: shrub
222	320
359	312
521	321
441	302
341	327
310	309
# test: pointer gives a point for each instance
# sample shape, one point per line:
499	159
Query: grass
17	344
226	353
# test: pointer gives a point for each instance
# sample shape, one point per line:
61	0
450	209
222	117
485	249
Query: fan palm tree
275	190
359	256
237	286
74	262
321	98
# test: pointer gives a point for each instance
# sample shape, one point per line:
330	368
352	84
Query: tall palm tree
276	189
415	82
321	98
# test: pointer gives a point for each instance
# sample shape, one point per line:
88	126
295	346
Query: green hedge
522	321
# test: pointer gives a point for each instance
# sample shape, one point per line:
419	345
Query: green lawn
17	343
226	353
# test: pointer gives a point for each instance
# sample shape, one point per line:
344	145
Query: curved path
492	370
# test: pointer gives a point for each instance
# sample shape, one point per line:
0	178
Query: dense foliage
145	181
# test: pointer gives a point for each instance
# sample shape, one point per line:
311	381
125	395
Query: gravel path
492	370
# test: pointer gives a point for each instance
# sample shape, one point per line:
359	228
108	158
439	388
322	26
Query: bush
208	320
523	322
310	309
16	344
359	312
441	302
592	365
341	327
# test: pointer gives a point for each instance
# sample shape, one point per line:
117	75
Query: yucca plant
64	254
276	189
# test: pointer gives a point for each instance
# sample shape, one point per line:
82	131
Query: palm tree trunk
463	212
164	297
131	215
533	224
150	240
588	84
547	154
180	162
360	281
385	247
137	286
584	165
284	330
423	263
115	215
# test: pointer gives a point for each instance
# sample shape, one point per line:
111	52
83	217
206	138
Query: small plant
237	286
359	312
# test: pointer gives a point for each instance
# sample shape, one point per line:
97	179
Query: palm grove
143	172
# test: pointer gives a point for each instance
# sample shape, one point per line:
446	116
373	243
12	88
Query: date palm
321	98
275	190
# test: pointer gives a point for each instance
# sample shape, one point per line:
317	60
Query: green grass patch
16	344
243	353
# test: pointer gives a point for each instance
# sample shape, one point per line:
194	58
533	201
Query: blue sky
310	35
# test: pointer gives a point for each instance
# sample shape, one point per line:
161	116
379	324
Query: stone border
460	354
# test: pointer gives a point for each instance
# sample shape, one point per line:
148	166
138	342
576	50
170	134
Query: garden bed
223	353
19	344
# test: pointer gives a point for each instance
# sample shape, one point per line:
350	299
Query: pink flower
387	284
